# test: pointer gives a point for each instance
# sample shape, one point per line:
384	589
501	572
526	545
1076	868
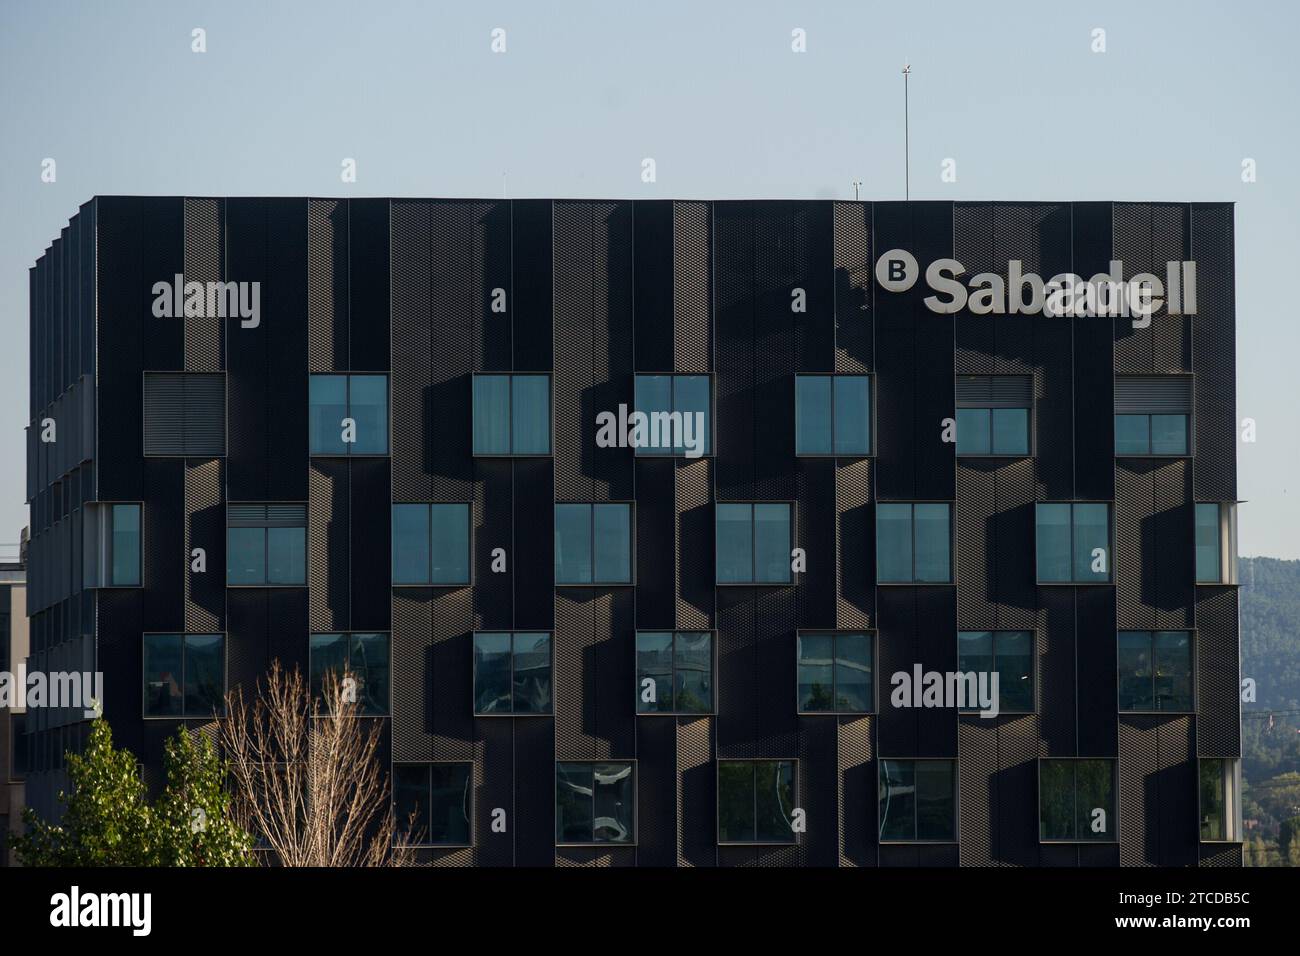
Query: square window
753	543
918	801
1155	671
913	543
593	543
348	414
993	414
184	675
512	673
674	672
832	415
362	657
835	672
1007	654
432	803
431	544
756	801
1076	800
678	415
512	414
595	803
266	545
1072	542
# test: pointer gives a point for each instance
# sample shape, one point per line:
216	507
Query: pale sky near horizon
1012	91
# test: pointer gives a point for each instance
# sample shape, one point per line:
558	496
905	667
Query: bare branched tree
306	777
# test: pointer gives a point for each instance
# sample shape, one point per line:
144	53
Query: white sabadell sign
1106	294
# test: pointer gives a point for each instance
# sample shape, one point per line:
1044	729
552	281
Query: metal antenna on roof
907	167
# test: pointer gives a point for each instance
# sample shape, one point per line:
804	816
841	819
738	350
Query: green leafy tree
109	821
192	817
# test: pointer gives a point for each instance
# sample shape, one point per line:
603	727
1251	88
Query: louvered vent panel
184	414
995	391
1151	395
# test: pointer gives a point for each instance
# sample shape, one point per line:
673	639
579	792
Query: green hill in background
1270	742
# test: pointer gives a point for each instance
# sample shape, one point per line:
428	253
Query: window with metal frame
512	672
432	803
184	675
595	802
1076	800
994	415
1220	799
593	543
918	801
835	672
1073	542
431	544
756	801
348	414
266	545
1155	671
1009	655
1215	542
363	658
674	672
677	408
913	542
832	415
512	414
1153	415
753	542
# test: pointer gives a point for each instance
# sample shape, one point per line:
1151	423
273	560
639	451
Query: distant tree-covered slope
1270	655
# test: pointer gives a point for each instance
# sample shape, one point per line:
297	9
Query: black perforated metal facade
433	292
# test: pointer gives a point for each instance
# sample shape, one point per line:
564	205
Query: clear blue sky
710	90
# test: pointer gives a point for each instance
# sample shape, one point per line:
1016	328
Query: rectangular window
1009	655
512	672
184	414
913	543
1215	540
835	674
20	749
1073	542
593	543
266	545
431	544
994	414
679	415
184	675
595	803
918	801
124	546
363	657
753	543
1152	414
756	801
832	415
348	414
674	672
512	414
1076	800
432	803
1220	805
1155	671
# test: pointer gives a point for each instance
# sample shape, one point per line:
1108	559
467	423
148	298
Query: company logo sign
1106	294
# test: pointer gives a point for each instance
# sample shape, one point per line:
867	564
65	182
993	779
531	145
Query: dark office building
409	438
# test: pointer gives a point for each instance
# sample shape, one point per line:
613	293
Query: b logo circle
896	270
